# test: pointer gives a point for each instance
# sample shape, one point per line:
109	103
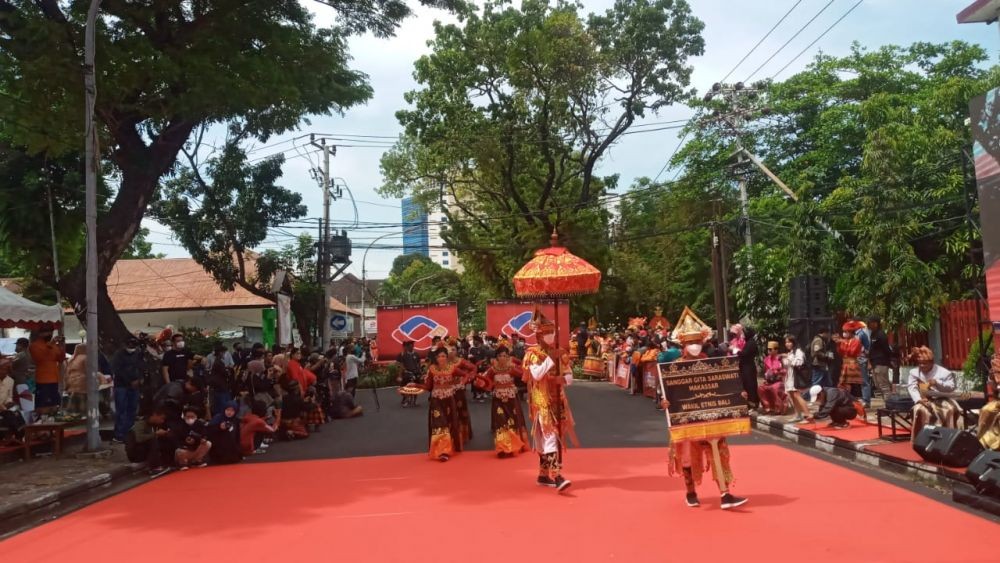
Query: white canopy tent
18	312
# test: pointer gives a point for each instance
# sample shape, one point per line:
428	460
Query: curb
67	491
858	452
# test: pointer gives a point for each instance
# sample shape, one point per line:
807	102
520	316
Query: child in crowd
192	440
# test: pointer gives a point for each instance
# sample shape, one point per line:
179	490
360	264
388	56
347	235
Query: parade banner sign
508	317
650	373
417	323
705	397
622	374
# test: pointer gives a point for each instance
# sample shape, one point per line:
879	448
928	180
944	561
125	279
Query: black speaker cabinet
947	446
984	473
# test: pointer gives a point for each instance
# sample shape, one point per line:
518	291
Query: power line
821	35
790	39
766	35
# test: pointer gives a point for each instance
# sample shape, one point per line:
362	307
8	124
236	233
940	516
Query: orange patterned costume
510	436
547	371
443	418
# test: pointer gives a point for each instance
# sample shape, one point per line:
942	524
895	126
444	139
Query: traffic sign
341	323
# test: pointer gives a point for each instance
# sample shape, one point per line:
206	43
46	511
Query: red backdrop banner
419	323
512	316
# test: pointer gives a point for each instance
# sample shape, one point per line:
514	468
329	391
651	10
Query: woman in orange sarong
510	434
444	428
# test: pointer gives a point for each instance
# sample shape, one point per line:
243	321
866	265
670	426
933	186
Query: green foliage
163	70
198	342
422	281
515	109
871	143
974	367
222	216
761	289
141	248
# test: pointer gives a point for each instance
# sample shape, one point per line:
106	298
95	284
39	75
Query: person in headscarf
930	386
745	348
691	458
772	392
224	433
547	369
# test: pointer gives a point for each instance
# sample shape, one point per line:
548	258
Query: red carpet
859	431
622	507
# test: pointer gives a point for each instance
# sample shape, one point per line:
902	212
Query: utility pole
717	286
55	264
324	245
91	156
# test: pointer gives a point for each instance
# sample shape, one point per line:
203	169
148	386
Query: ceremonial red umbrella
556	272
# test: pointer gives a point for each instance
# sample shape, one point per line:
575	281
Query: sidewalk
861	444
45	479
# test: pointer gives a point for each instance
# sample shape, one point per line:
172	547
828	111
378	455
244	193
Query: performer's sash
705	397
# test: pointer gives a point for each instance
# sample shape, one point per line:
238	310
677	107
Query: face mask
179	345
130	350
693	349
190	421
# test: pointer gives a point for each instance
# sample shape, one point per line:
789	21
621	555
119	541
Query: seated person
928	385
149	441
835	403
224	433
293	409
989	415
254	429
772	392
344	406
11	421
191	438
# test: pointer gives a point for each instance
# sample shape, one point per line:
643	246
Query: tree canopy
516	108
872	145
163	70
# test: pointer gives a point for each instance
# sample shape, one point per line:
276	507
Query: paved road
606	417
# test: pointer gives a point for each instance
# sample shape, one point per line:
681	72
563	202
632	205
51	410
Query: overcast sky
731	30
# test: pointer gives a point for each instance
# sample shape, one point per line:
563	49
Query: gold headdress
592	324
691	329
540	324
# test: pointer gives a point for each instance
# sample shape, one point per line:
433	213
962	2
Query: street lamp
364	283
418	281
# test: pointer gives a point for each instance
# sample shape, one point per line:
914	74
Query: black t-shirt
191	435
177	363
410	361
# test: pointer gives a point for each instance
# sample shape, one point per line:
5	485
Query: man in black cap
880	356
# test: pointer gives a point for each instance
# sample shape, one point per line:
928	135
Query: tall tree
872	144
164	69
516	109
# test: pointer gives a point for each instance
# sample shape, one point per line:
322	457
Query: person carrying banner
547	369
510	436
691	458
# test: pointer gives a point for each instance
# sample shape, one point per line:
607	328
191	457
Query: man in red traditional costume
547	369
692	457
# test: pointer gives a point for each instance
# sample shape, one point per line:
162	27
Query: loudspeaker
947	446
984	473
808	297
804	330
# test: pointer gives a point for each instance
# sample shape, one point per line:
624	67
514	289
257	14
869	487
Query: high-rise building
415	228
